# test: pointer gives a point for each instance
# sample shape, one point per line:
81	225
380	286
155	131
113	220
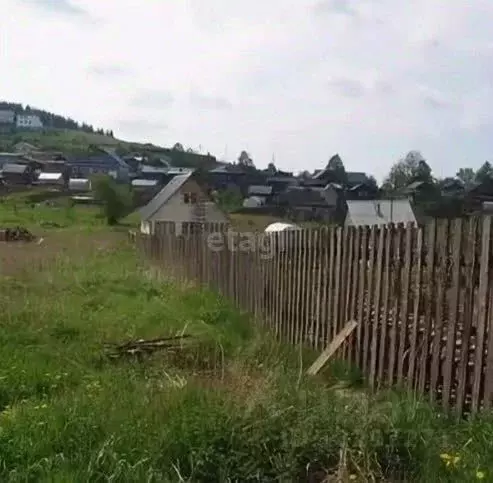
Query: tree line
54	121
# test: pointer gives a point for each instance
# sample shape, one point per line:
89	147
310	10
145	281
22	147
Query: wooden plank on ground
332	348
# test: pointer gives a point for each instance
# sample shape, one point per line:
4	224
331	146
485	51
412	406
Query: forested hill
51	120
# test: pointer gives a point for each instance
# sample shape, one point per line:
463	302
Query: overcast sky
300	79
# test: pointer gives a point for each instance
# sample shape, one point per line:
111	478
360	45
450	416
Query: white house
182	200
28	121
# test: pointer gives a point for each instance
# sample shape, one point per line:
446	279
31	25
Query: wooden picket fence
421	295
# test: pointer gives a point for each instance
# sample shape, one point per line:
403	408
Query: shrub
115	198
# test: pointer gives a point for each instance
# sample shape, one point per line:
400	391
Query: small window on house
190	198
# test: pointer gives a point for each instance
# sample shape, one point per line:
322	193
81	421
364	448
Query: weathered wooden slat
298	286
482	312
417	275
368	326
332	276
488	389
395	302
376	308
291	250
346	279
337	283
319	263
308	286
384	314
353	302
325	312
441	279
363	268
467	315
453	309
332	348
424	348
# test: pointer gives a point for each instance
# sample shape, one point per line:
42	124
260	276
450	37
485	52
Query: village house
183	200
51	179
263	193
107	162
379	212
12	158
310	204
28	121
20	174
480	196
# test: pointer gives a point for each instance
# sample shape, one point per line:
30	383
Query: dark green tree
336	165
411	168
484	173
245	160
115	198
466	175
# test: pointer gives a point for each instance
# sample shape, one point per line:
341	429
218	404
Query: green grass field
234	405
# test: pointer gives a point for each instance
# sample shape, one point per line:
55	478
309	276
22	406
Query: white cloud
299	78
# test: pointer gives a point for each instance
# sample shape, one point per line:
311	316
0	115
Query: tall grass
68	414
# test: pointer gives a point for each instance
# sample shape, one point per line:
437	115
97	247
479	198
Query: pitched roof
356	177
144	183
11	168
379	212
50	176
257	189
299	196
111	152
164	195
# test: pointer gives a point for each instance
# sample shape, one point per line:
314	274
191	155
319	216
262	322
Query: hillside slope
79	143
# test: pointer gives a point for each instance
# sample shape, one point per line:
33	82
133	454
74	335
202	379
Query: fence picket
441	278
483	305
376	309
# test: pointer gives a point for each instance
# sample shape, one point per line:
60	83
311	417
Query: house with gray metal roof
379	212
17	173
183	199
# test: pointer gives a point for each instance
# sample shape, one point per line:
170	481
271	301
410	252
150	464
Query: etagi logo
242	242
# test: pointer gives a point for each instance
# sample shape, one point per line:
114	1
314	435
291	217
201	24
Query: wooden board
332	348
